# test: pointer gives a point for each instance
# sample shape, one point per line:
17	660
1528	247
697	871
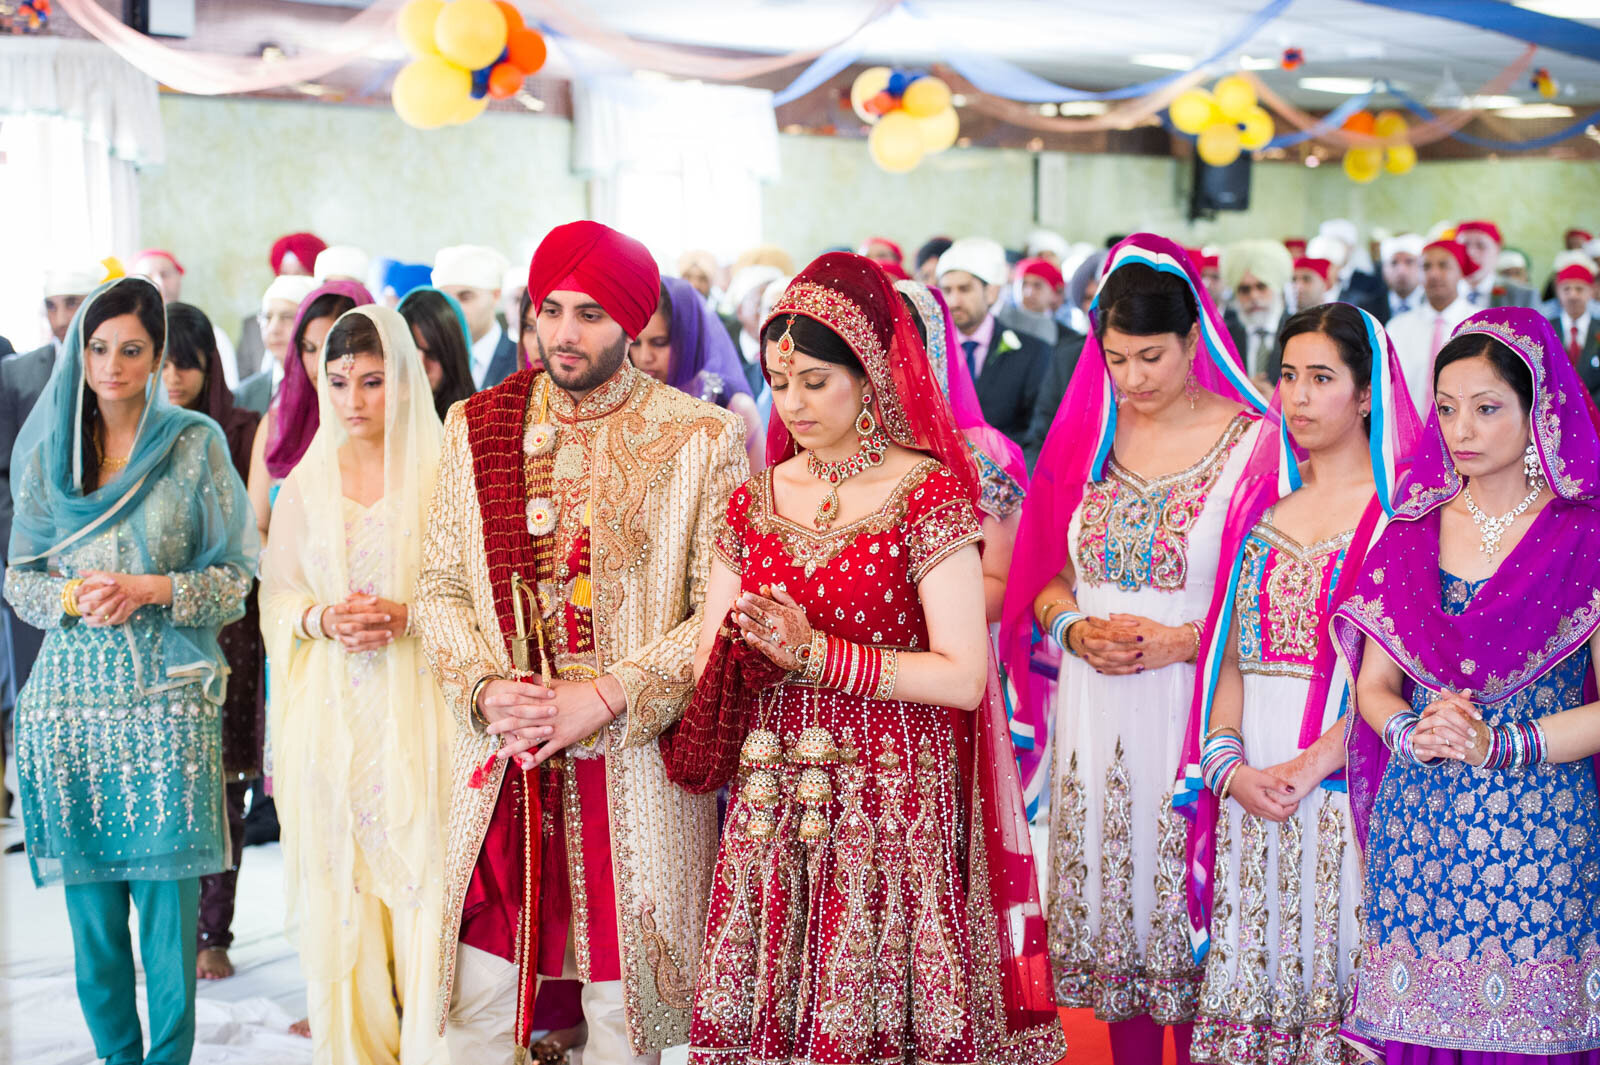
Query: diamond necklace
834	474
1494	528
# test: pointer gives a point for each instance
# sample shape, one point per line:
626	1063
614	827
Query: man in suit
1483	287
1256	273
1006	366
280	305
1338	242
473	275
1576	324
1419	334
1402	277
22	380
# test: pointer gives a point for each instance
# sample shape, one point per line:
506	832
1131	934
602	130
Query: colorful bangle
1515	746
1221	758
1399	735
857	669
1061	625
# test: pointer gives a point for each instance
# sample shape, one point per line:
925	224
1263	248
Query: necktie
1574	345
1438	341
1474	297
971	348
1259	345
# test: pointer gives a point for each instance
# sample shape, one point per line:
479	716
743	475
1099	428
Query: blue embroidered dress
1482	892
120	761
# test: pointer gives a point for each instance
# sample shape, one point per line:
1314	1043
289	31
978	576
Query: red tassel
480	775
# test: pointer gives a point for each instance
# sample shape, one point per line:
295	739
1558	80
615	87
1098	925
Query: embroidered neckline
597	404
1224	445
811	549
1281	540
912	479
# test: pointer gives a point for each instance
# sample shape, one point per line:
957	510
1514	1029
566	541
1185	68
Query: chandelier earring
1191	386
866	424
1530	466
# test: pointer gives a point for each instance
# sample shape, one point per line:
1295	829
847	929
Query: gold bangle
1227	781
1199	637
1219	730
888	671
472	700
69	598
1051	608
816	658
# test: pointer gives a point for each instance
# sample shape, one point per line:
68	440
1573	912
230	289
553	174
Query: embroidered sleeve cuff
654	702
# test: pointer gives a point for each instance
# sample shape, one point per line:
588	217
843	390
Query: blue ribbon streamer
824	67
1576	128
1547	31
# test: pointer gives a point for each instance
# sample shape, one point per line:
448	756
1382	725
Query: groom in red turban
563	572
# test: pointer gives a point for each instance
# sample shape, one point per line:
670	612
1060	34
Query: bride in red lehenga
874	898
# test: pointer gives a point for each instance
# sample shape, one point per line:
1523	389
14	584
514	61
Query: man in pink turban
562	579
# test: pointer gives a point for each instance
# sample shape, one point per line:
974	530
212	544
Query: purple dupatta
294	412
705	363
1539	606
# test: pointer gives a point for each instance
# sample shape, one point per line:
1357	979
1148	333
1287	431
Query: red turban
613	269
1575	272
1583	233
1488	229
867	244
1456	248
894	270
1296	245
159	253
1043	271
304	246
1321	267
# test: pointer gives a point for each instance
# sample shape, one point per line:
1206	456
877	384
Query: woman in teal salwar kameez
132	545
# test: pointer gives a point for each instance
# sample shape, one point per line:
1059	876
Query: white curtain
679	165
76	125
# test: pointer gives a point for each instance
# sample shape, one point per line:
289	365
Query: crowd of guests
632	661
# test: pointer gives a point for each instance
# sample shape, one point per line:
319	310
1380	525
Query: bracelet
1199	637
891	670
1221	758
1515	746
1219	730
472	699
1061	625
1399	735
69	598
815	657
318	632
603	700
854	668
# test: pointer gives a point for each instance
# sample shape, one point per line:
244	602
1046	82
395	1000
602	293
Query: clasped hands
107	599
1452	727
774	624
364	622
1126	643
539	722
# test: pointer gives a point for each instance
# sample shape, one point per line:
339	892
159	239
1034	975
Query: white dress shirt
483	353
1399	304
1413	334
1567	325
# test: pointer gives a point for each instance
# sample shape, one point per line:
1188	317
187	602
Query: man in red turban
296	253
562	578
1484	286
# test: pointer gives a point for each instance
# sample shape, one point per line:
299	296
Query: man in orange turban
559	600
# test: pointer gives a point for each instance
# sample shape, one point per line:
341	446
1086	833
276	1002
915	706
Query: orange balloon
513	16
882	103
1360	122
525	50
504	81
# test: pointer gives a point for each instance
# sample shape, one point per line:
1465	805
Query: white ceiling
1087	43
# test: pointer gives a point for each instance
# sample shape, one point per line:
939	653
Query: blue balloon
897	84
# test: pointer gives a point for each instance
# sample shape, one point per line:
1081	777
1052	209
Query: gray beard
1267	319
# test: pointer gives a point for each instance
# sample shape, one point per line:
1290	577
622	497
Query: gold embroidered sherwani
661	466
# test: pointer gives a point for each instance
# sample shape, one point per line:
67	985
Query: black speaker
1220	188
160	18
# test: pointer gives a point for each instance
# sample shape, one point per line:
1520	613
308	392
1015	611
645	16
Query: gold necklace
105	461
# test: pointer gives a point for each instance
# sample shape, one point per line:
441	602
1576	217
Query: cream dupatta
326	763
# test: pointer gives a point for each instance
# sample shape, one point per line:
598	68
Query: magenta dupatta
1074	454
1395	430
1542	603
293	411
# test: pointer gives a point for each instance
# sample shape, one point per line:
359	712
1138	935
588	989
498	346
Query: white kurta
1118	926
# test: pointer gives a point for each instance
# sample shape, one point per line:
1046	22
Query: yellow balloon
1400	159
1258	129
868	83
1389	124
429	92
470	110
470	33
415	23
1361	165
1218	144
939	131
1235	97
1193	111
895	143
925	97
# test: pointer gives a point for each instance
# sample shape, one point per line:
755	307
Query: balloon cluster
1362	165
30	16
1543	83
466	51
1293	59
1226	121
910	114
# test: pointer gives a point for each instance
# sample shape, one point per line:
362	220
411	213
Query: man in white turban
1402	276
1256	273
473	274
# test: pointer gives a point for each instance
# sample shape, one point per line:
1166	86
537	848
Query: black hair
1342	324
1142	301
663	305
191	340
934	248
916	319
813	338
525	350
352	335
1508	366
429	313
128	295
327	305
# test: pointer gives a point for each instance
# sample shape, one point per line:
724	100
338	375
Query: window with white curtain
679	165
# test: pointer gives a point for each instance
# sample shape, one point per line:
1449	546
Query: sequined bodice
1284	597
1135	531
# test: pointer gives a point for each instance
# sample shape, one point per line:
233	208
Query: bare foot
552	1049
212	964
301	1028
